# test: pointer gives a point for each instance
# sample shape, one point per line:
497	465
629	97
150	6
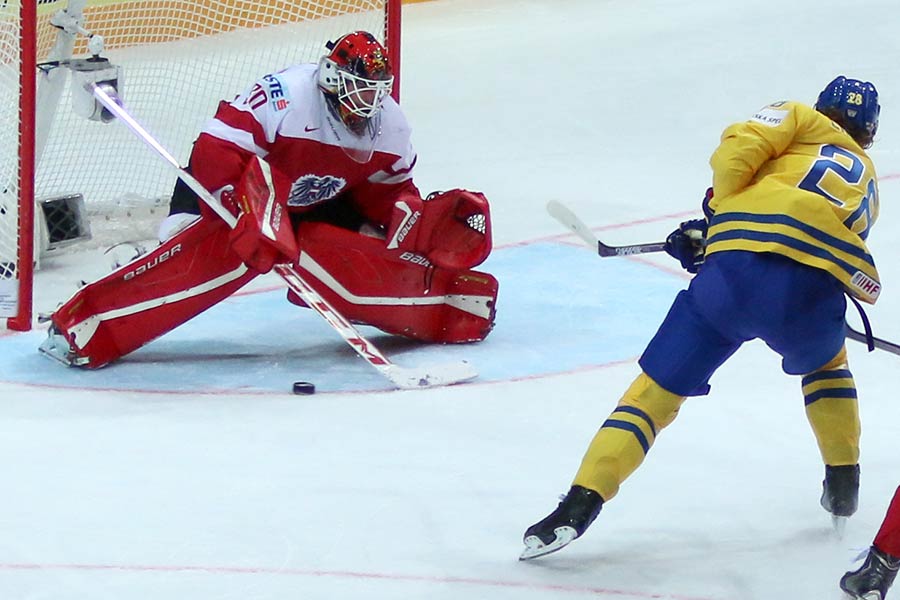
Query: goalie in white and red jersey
325	147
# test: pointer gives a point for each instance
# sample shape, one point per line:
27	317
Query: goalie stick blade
407	378
570	220
403	378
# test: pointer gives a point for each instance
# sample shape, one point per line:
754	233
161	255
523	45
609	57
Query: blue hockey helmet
852	104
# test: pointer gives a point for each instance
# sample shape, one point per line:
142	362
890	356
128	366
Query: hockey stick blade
407	378
859	336
570	220
567	218
403	378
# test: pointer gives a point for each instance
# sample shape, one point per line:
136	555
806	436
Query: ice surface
189	470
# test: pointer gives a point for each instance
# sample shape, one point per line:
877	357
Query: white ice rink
190	472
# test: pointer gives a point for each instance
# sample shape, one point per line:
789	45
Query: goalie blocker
399	290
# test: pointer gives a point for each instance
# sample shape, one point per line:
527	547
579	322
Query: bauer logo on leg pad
152	262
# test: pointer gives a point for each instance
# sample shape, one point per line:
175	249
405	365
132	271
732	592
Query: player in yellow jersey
793	199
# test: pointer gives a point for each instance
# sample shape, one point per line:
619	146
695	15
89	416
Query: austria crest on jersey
312	189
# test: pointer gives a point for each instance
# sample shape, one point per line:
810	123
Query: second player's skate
873	579
575	513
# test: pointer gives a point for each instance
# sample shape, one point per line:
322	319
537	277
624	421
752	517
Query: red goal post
177	59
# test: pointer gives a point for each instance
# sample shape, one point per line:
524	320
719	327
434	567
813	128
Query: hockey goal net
177	59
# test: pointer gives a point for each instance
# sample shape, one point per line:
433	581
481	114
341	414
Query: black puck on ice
304	387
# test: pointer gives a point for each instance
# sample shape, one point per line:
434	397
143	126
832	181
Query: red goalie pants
888	537
196	269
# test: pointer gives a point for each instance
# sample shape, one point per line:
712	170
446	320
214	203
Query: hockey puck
304	387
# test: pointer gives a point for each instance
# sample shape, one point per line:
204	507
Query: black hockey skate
840	490
840	494
874	578
575	513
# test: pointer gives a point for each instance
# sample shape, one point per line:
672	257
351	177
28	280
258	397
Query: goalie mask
356	78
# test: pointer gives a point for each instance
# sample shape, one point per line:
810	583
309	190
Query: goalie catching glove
451	229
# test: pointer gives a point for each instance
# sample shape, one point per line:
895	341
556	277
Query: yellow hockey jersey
792	181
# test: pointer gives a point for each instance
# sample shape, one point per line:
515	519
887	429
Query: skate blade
872	595
57	348
840	525
534	547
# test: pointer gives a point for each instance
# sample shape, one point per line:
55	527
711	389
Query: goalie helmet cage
178	59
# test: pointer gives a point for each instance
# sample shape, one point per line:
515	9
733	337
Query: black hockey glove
688	244
707	209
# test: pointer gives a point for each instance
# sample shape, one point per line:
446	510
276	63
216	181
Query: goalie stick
403	378
571	221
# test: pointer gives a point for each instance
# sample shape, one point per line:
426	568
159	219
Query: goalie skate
57	347
123	253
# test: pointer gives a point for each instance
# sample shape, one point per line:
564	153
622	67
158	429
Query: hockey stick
570	220
564	215
859	336
403	378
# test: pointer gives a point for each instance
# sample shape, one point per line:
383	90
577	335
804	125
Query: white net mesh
179	58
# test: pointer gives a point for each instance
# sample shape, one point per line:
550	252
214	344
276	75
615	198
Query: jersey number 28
860	220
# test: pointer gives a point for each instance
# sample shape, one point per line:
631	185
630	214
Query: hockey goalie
315	162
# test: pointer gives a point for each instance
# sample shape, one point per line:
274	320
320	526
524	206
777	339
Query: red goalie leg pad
398	292
153	294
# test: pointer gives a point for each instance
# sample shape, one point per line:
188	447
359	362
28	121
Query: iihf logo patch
866	285
312	189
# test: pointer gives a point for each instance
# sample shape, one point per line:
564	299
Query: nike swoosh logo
307	129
